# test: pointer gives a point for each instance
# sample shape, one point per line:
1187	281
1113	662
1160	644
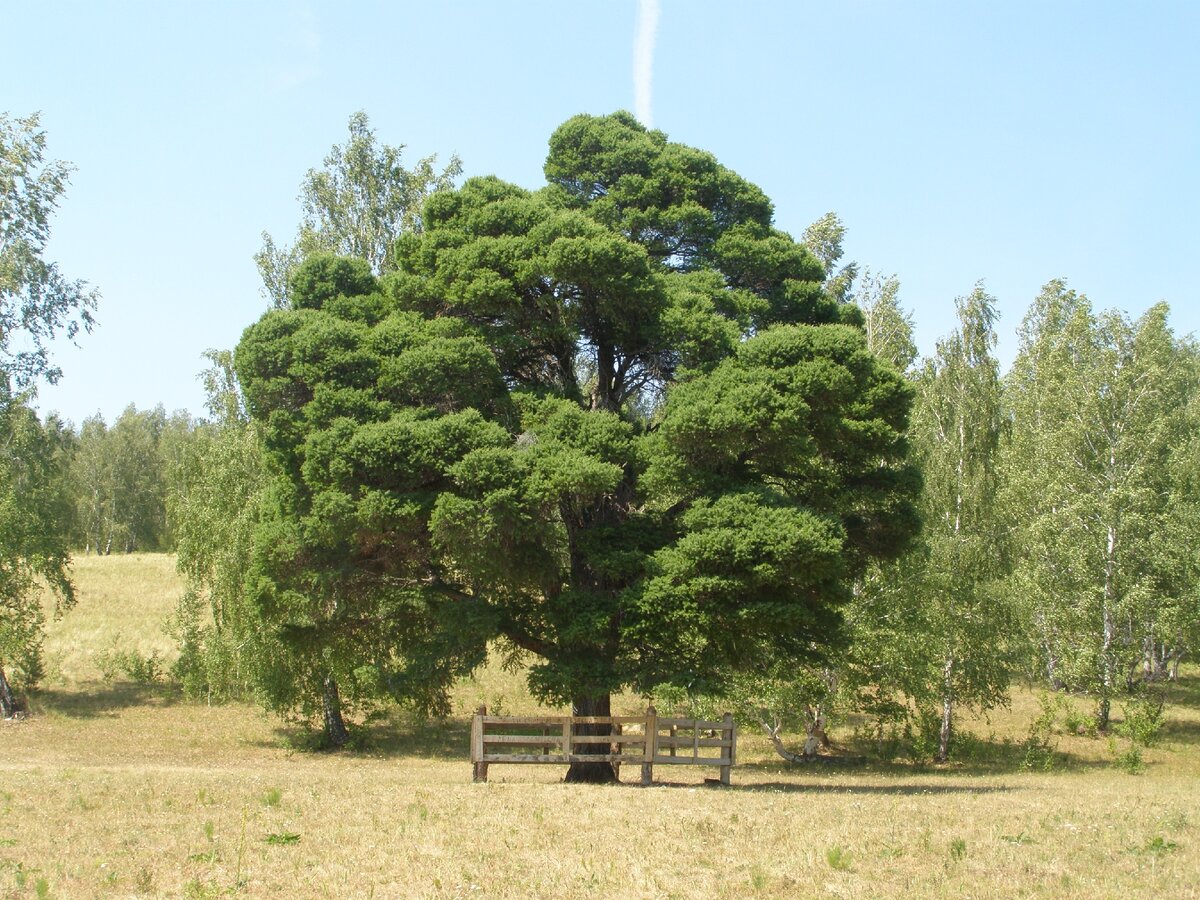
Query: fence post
651	747
481	767
568	743
619	751
729	733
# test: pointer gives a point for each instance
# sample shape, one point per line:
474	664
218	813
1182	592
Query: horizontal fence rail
646	740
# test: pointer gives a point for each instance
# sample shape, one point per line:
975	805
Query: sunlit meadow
115	788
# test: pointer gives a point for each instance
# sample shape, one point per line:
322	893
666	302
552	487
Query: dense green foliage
121	476
33	515
617	422
1102	491
224	653
628	429
1060	508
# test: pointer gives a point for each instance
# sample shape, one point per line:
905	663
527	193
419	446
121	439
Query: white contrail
643	59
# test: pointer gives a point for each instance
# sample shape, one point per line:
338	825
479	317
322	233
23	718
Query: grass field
111	788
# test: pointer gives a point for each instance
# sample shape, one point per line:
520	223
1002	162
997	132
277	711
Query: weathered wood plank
689	761
689	724
554	758
610	739
692	742
479	767
650	746
730	734
532	739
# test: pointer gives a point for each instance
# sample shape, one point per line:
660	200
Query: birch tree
34	512
1099	409
356	205
225	653
888	326
956	434
37	303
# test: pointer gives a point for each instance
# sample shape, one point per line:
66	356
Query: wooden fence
646	740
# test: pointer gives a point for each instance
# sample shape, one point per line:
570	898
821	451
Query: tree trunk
773	730
336	734
8	703
591	772
944	735
814	731
1051	657
1107	661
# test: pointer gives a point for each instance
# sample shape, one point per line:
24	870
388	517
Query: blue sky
1011	142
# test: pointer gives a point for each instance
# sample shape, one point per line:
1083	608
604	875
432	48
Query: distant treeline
119	477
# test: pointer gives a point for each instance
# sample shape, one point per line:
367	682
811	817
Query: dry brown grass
121	790
123	602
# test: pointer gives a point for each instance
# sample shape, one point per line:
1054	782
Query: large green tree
616	422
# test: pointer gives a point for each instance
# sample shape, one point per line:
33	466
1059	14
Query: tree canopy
36	300
617	422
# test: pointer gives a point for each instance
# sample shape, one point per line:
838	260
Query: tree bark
8	702
773	732
591	772
1107	661
944	734
336	734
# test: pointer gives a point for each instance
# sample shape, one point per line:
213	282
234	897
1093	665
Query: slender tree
824	238
216	492
356	205
956	432
37	302
888	326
